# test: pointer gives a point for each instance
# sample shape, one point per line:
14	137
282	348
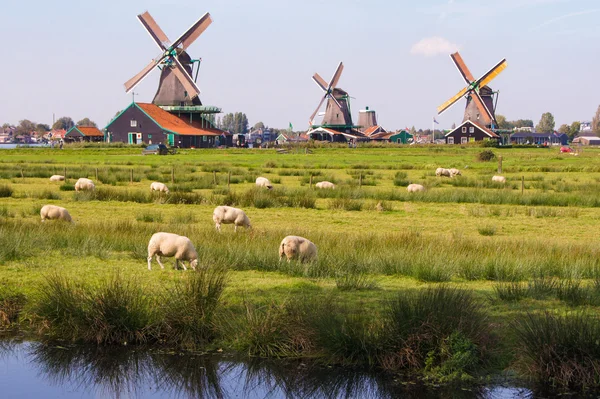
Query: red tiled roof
172	123
90	131
370	130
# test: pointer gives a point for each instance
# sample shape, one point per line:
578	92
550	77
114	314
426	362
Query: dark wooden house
84	133
150	124
469	132
336	136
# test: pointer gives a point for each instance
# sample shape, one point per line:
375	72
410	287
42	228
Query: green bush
486	156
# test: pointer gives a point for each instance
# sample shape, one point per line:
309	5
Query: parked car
158	149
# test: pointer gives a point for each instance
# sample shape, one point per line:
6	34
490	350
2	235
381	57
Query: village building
586	140
84	133
470	132
539	138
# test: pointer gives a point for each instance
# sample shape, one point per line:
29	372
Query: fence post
500	164
96	174
215	177
229	179
22	175
522	184
65	174
131	176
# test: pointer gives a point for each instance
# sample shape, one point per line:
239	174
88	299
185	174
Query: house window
450	140
463	140
464	129
133	123
149	136
203	138
471	129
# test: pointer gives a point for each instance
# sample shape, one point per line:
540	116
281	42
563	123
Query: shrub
486	156
487	230
67	187
5	191
400	179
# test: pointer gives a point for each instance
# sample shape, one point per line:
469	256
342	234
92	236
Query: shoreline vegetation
467	280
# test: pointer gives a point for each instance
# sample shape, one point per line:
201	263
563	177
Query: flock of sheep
181	247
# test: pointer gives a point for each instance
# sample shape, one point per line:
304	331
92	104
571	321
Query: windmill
176	87
337	112
480	102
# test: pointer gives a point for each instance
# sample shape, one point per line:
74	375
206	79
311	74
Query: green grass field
521	251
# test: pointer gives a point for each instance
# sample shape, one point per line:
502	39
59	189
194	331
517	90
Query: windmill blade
462	67
186	80
336	77
154	30
193	32
483	109
312	117
131	83
492	73
454	99
320	81
332	97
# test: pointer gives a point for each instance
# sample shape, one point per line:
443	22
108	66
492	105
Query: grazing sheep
414	188
53	212
160	187
294	247
499	179
263	182
443	172
84	184
455	172
168	244
228	215
57	178
325	184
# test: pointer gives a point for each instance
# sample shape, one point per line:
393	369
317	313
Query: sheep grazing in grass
84	184
263	182
325	184
443	172
168	244
57	178
294	247
160	187
53	212
454	172
415	188
229	215
499	179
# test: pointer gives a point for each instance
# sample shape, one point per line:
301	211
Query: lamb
455	172
414	188
228	215
53	212
499	179
263	182
160	187
84	184
169	244
57	178
294	247
443	172
325	184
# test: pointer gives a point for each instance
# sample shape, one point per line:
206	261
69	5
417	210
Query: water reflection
130	372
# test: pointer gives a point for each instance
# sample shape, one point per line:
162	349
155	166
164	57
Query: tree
25	126
574	130
546	124
235	123
413	130
453	126
522	123
503	123
564	128
259	125
596	122
63	123
86	122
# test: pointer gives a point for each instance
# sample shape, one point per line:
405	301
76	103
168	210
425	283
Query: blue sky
71	58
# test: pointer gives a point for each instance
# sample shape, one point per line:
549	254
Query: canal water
32	370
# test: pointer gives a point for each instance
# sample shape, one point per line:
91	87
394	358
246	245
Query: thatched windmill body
480	107
337	113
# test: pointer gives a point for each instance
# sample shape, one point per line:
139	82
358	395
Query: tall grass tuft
11	306
511	291
355	281
345	204
561	351
149	217
5	191
571	292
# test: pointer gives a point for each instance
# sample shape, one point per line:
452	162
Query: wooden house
469	132
84	133
150	124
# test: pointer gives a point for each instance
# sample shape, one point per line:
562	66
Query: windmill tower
480	106
177	92
337	113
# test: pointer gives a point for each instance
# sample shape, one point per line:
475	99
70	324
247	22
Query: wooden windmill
176	87
337	113
480	102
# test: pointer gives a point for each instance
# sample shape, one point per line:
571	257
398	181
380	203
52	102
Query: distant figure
52	144
61	144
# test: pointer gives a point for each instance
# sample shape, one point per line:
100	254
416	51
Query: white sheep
263	182
414	188
294	247
228	215
455	172
169	244
53	212
84	184
160	187
499	179
443	172
325	184
57	178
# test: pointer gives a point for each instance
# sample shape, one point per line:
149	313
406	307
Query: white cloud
431	46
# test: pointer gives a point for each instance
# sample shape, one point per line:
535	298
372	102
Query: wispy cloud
562	17
431	46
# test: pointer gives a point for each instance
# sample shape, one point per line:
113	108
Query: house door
463	140
131	138
171	139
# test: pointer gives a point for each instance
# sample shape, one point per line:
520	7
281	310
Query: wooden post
310	184
131	176
360	180
65	174
228	179
172	174
215	177
22	175
500	164
522	184
96	174
305	150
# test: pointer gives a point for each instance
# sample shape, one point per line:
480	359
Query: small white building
585	126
